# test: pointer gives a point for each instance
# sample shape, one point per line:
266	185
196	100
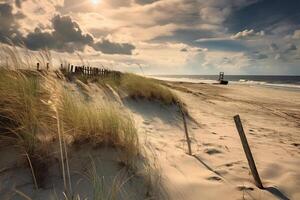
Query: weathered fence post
47	66
247	151
38	66
185	129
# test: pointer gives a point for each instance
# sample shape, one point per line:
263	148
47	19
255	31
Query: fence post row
86	70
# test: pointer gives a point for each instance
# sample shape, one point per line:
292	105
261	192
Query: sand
219	170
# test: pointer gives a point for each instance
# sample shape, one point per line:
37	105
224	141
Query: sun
95	2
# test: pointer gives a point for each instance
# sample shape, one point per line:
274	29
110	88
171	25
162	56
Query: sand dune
218	168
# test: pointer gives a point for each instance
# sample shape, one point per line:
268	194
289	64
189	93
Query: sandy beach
271	121
149	100
151	161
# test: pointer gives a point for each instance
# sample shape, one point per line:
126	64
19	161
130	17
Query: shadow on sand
153	109
277	193
274	191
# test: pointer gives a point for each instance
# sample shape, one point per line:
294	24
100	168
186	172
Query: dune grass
98	124
25	117
146	88
135	86
34	114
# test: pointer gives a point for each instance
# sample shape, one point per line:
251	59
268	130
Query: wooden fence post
247	151
185	129
47	66
38	66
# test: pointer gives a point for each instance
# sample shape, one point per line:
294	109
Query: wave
239	82
263	83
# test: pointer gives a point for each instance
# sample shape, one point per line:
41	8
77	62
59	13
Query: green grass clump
135	86
98	124
142	87
25	117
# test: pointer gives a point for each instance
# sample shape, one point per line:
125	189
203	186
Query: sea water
288	82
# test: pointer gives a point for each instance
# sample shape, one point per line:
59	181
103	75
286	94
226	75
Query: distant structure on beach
221	79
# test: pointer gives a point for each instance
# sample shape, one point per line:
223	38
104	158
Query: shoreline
283	86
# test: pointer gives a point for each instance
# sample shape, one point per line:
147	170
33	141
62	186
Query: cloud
258	56
274	47
222	33
39	40
144	2
278	56
247	34
8	23
108	47
290	47
66	36
222	44
268	15
66	30
296	34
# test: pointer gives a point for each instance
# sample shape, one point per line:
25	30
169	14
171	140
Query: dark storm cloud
66	30
66	36
108	47
144	2
38	40
265	15
8	23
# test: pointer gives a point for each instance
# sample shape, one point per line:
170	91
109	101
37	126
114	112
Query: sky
259	37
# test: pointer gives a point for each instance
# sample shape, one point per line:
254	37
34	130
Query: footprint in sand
214	178
251	131
212	151
296	144
244	188
230	164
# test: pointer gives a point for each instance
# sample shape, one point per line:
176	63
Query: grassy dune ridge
98	124
136	87
32	117
45	120
26	119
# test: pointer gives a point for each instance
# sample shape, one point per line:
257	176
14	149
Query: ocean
289	82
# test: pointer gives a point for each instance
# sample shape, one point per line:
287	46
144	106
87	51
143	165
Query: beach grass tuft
98	124
25	118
